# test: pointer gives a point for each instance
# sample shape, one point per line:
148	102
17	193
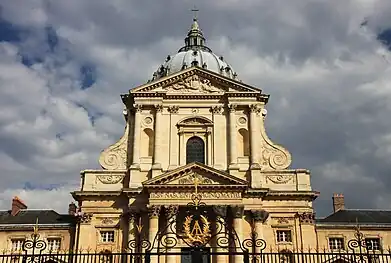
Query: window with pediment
195	150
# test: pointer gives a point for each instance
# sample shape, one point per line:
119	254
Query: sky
325	64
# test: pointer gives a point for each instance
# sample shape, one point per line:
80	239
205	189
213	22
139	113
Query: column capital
259	215
307	218
220	210
173	109
171	210
216	109
254	108
158	107
154	211
137	107
232	108
237	211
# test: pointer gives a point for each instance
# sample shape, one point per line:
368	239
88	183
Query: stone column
258	217
157	151
237	214
182	146
171	244
153	213
254	136
233	153
221	232
208	136
136	136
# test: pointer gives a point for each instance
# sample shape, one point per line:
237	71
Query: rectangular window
17	244
284	236
54	244
336	243
107	236
373	243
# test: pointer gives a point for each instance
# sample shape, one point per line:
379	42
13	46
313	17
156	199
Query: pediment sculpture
193	84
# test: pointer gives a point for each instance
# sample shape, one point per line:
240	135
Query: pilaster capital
216	109
232	108
173	109
254	108
85	218
259	215
158	108
154	211
137	107
171	210
237	211
307	218
220	210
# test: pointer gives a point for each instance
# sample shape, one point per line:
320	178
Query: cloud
64	64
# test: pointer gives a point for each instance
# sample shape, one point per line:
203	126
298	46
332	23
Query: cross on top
195	10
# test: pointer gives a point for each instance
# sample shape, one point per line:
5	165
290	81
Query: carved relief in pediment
193	84
191	177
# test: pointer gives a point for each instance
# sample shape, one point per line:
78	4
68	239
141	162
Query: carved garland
279	178
110	178
188	195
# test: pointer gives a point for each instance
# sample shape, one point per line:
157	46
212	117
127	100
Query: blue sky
326	65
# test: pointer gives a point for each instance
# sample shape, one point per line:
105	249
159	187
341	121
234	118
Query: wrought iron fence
199	255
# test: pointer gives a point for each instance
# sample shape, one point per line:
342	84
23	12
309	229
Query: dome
194	53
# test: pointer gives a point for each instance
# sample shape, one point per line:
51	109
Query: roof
350	216
28	217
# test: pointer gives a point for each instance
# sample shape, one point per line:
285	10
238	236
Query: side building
18	224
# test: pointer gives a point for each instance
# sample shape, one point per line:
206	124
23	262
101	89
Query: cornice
191	187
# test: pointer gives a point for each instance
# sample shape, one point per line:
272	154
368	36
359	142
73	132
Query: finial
36	227
195	10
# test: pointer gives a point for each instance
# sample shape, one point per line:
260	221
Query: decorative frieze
107	221
188	195
237	211
193	84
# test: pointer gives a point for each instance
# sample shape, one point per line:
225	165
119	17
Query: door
195	255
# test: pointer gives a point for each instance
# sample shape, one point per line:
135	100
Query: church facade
195	121
195	132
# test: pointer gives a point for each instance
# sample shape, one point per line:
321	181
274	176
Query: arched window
243	143
147	143
195	150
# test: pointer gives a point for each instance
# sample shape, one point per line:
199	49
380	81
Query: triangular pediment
202	174
195	80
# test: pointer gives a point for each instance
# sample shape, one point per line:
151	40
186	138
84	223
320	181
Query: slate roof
30	216
349	216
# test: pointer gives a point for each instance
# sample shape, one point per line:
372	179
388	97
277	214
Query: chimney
72	209
338	202
17	205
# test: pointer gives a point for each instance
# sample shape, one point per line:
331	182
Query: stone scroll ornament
115	156
273	156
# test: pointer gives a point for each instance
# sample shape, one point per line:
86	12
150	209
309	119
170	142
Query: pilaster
232	138
136	136
254	136
237	214
157	149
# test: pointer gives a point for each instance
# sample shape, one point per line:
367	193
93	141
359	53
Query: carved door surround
198	126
